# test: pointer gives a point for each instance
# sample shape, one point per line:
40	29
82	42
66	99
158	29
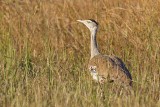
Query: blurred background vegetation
44	52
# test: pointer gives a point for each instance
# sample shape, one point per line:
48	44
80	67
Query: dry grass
44	52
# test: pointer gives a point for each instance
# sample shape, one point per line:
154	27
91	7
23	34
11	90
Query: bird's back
111	68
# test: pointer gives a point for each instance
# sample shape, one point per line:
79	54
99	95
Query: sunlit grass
44	52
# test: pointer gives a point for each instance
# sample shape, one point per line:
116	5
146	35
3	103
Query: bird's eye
88	21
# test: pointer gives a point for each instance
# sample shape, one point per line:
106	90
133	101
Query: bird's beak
80	21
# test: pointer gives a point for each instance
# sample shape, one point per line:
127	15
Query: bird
105	68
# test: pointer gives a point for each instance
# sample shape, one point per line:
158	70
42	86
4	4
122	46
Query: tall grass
44	52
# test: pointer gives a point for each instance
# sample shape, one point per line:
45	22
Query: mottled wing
119	63
111	68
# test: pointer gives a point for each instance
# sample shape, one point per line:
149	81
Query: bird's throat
94	47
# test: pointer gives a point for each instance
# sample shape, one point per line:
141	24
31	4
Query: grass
44	52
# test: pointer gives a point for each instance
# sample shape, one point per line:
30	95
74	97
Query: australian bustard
105	67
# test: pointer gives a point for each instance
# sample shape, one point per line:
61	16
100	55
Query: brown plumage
104	67
110	68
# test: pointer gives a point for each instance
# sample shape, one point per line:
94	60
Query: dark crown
94	21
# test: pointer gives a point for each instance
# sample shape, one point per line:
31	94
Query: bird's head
91	24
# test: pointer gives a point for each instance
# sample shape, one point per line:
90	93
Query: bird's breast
94	74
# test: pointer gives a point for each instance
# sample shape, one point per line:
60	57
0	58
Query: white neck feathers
94	47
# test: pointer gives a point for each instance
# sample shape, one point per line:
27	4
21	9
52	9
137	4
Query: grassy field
44	52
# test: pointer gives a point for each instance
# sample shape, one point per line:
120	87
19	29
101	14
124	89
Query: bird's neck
94	47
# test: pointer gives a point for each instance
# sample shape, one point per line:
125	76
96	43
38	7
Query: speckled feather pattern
104	67
111	68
